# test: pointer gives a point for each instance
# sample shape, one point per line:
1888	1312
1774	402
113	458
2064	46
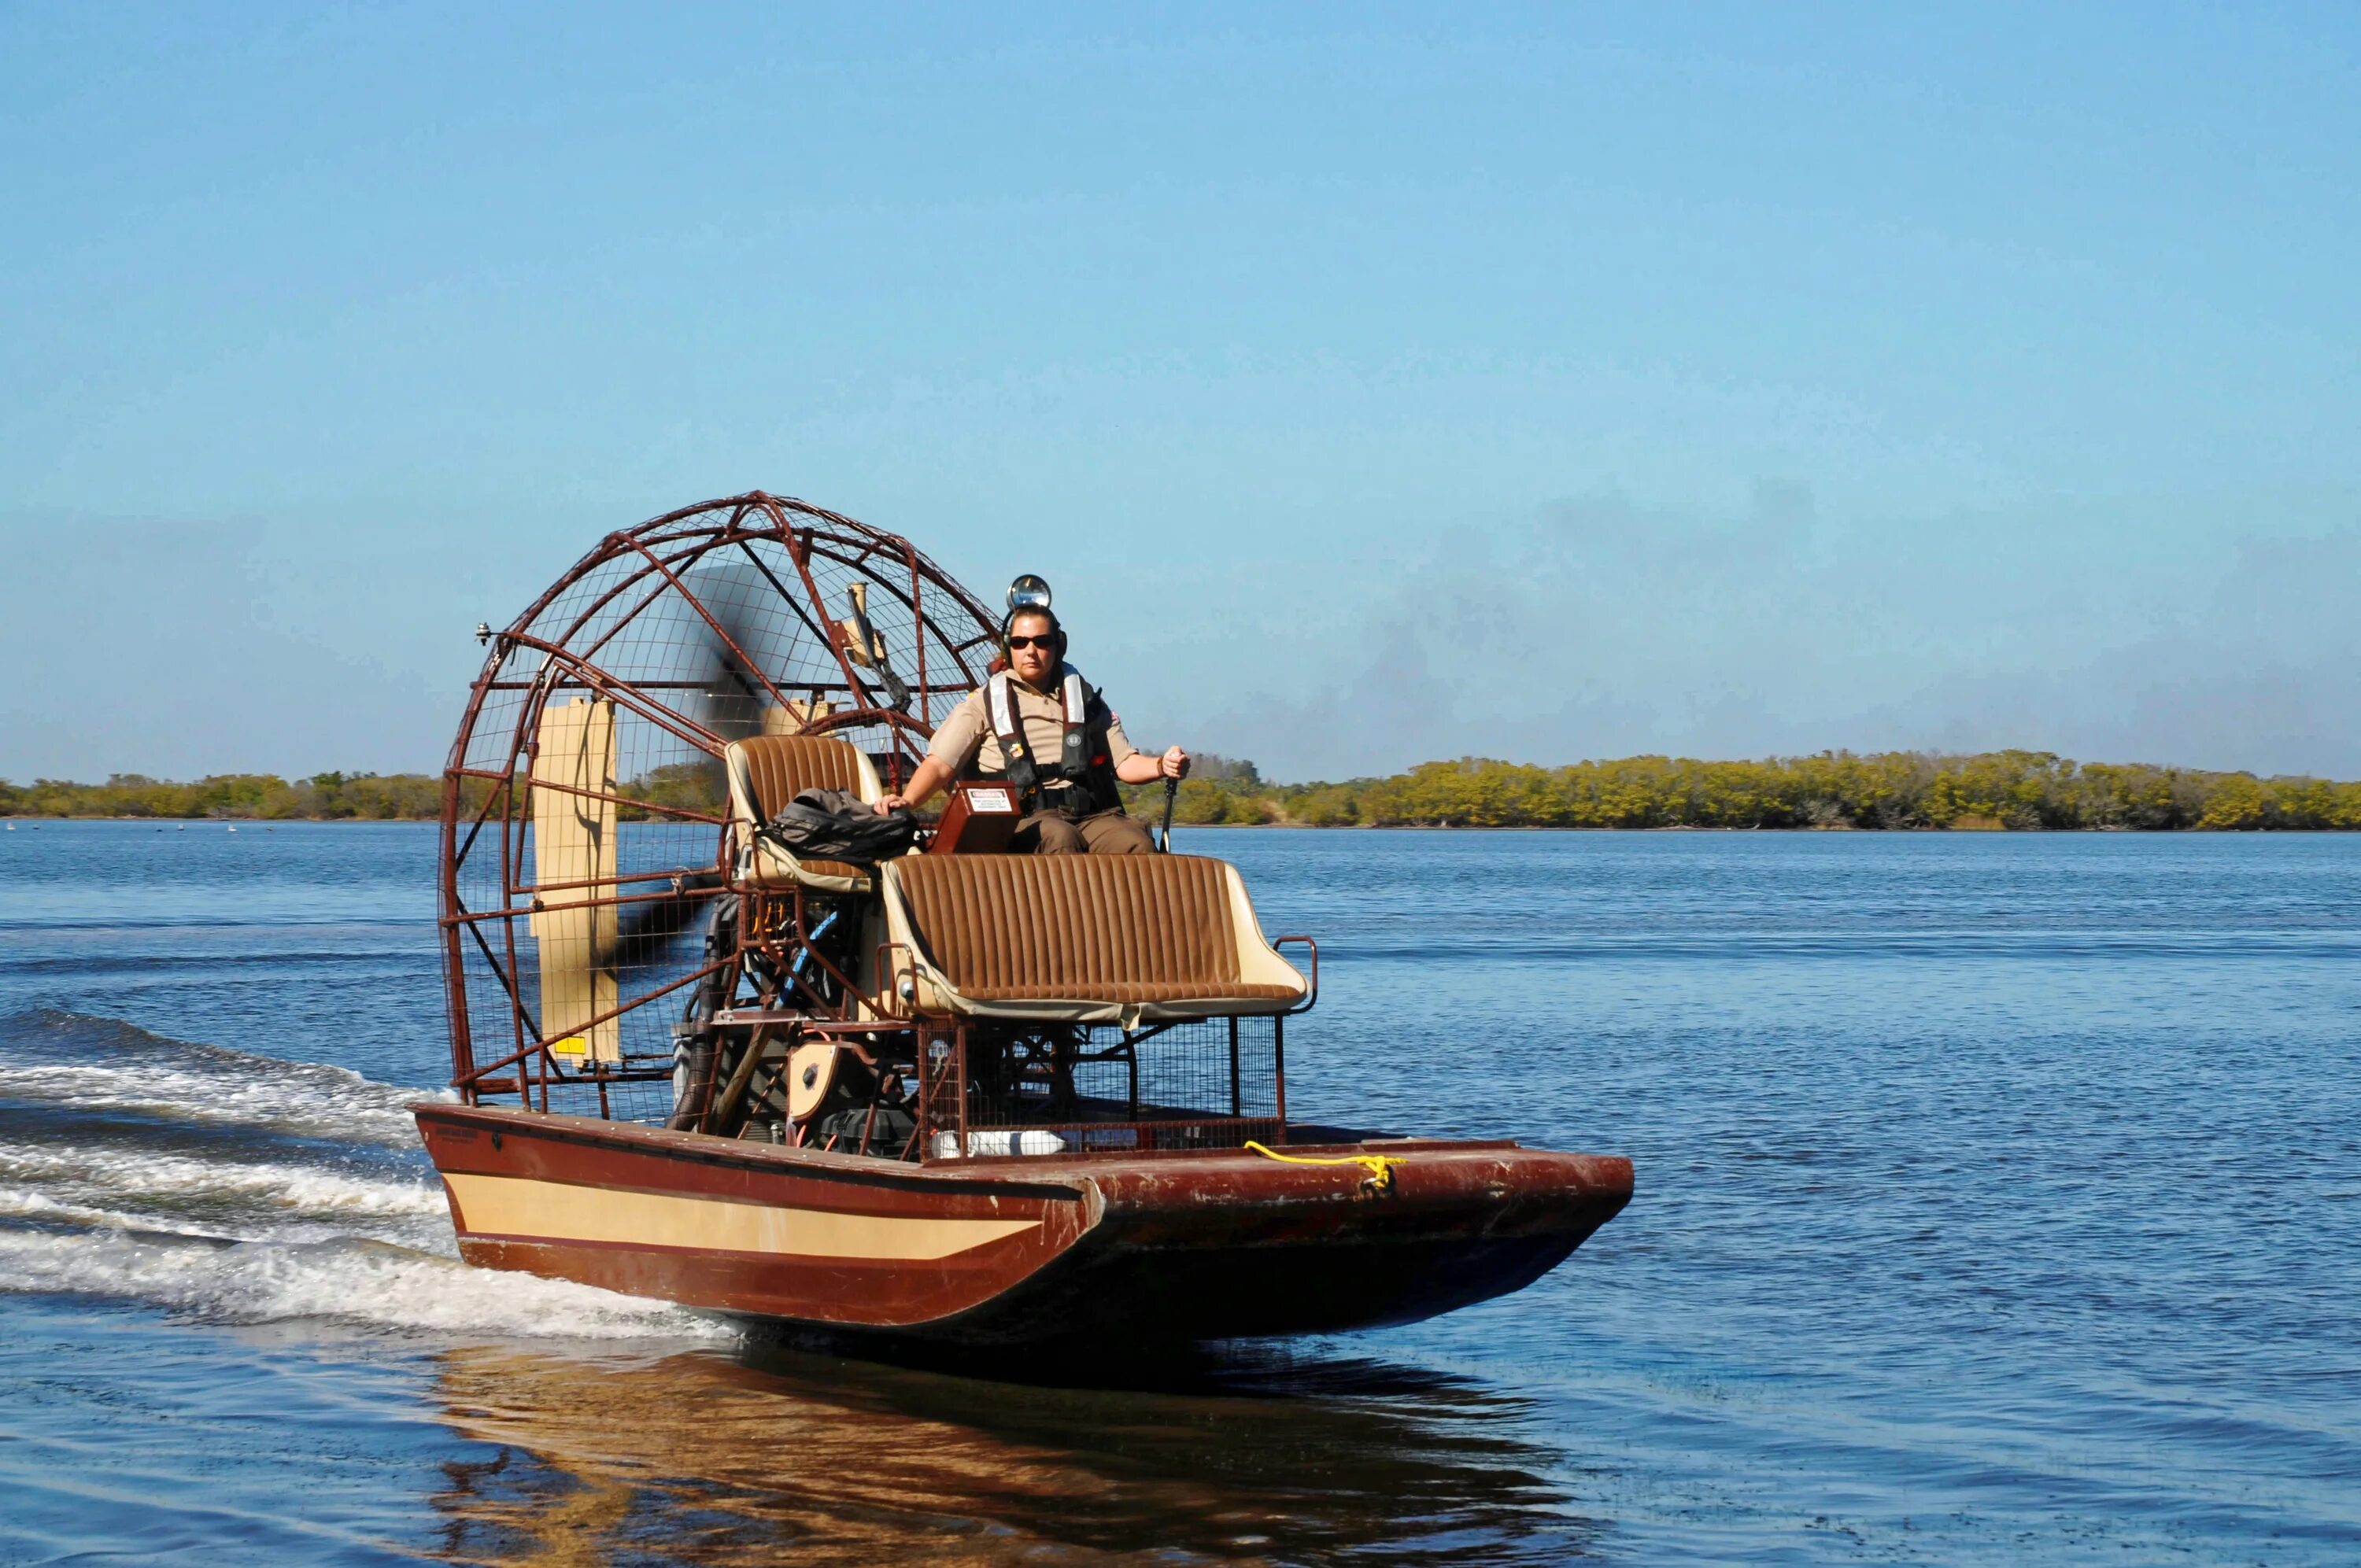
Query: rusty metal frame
631	574
1149	1136
682	812
641	570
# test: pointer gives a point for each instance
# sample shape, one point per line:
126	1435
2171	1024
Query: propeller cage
585	827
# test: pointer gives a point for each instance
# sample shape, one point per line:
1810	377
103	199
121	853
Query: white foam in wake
308	1099
220	1198
369	1283
275	1236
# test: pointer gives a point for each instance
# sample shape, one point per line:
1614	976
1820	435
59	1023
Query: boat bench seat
768	771
1082	938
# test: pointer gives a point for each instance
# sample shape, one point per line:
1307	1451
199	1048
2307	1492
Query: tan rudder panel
574	858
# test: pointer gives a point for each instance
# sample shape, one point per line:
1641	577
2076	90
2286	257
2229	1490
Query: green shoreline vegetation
1890	790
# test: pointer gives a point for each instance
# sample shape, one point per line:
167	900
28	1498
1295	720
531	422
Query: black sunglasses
1049	640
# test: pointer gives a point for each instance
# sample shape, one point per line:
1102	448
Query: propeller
712	679
646	930
754	631
760	630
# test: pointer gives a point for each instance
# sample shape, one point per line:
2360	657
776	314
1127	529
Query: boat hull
1189	1246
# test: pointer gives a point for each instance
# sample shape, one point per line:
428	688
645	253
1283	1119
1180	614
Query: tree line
2015	789
381	797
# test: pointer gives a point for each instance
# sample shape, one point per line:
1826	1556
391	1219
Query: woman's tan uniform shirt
966	734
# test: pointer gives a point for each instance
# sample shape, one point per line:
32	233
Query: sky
1374	384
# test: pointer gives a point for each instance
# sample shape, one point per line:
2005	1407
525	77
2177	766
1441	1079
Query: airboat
956	1095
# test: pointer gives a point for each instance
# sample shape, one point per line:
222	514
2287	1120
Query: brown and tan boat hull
1201	1245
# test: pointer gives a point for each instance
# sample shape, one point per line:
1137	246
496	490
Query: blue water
1999	1202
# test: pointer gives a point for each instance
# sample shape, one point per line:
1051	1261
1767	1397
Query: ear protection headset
1028	595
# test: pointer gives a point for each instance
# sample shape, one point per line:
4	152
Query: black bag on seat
837	825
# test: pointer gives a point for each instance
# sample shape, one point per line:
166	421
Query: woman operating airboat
1050	735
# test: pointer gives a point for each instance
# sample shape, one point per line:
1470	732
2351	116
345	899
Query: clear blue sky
1374	384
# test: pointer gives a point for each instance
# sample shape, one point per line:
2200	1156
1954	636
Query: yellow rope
1380	1168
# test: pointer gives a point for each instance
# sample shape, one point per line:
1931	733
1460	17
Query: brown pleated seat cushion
781	767
1114	928
777	768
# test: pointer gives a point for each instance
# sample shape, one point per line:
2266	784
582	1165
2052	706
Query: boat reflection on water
777	1454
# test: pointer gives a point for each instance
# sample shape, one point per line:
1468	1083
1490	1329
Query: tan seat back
1085	936
774	769
768	771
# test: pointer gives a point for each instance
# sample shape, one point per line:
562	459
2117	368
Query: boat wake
227	1187
83	1064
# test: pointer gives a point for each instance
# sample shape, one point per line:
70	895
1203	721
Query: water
1999	1202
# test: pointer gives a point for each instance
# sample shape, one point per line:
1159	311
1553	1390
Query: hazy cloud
1605	628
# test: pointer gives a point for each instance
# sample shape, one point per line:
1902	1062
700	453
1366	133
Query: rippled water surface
1999	1202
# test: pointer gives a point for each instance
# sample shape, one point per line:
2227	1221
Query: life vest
1080	778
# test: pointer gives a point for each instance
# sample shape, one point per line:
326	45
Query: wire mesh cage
586	811
1200	1083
